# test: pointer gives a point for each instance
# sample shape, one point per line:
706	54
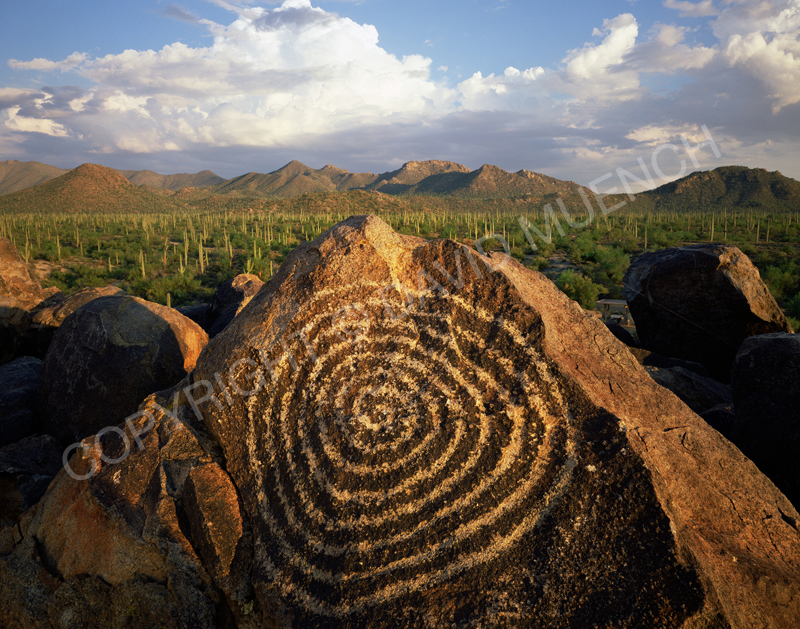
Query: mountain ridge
88	188
727	186
429	177
93	186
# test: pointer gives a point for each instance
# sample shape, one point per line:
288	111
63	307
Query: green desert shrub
579	288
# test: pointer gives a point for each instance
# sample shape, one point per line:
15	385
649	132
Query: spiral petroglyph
409	453
411	445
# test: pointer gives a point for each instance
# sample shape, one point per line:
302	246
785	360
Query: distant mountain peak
99	174
292	168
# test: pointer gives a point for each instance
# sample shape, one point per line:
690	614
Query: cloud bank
295	81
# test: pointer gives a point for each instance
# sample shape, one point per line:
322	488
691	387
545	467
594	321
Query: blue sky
571	89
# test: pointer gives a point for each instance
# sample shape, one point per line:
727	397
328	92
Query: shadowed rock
698	392
106	357
646	358
722	418
766	394
229	300
197	313
19	383
26	469
408	434
46	320
699	303
622	334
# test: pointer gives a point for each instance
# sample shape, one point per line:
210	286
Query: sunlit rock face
427	436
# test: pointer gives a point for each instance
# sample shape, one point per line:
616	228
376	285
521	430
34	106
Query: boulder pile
394	432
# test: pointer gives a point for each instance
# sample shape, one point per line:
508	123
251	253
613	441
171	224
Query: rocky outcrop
139	543
16	281
766	393
47	318
228	301
426	439
699	303
19	384
19	292
106	357
401	433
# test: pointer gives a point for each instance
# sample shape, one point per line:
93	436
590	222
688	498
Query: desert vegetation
182	256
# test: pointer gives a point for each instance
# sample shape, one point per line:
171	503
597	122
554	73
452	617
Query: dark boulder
26	469
722	418
47	317
622	334
229	300
646	358
699	303
766	395
106	357
19	385
197	313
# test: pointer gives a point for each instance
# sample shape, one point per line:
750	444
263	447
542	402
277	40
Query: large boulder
47	317
401	433
228	301
766	394
422	436
19	385
106	357
699	303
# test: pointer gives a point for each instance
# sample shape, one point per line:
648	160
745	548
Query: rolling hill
88	188
16	175
727	187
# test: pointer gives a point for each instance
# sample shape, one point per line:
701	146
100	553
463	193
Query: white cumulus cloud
70	63
270	76
763	39
597	70
508	91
